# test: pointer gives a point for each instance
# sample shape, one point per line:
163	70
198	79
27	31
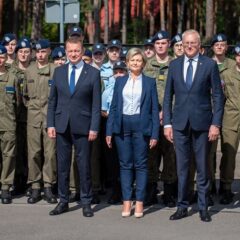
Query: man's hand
109	141
152	143
168	133
92	136
214	132
104	114
51	132
161	117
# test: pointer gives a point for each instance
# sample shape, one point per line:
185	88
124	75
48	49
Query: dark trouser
82	154
186	140
132	149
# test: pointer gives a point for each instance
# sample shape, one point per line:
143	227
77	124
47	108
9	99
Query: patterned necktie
189	76
72	79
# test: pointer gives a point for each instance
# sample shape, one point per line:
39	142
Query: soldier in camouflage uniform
230	128
157	67
41	149
8	102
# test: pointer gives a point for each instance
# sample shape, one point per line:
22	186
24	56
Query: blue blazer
149	109
202	105
82	109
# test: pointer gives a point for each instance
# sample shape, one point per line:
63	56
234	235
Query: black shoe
179	214
227	197
59	209
204	216
6	197
48	195
95	198
74	197
35	196
87	211
28	192
210	201
151	194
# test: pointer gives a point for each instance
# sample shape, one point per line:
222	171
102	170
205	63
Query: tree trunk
162	15
180	16
170	17
96	6
1	17
15	16
106	14
151	19
124	22
37	19
90	28
209	18
25	16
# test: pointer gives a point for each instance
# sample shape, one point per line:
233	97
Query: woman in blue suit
134	122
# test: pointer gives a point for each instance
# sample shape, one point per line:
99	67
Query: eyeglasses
194	44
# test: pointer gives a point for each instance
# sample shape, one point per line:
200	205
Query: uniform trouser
41	157
165	149
8	157
229	145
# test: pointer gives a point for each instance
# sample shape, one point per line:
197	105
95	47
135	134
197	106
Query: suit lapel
198	71
144	85
123	82
65	77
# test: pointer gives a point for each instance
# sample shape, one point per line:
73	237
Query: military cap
8	37
176	38
3	50
148	42
75	31
42	44
58	52
87	53
114	43
220	37
23	43
123	52
160	35
237	49
120	65
98	47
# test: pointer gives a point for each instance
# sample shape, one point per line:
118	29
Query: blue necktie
189	76
72	80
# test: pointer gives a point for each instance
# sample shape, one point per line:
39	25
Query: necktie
72	80
189	76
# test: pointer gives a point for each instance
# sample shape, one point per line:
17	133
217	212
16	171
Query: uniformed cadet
113	54
177	46
157	67
41	149
59	56
8	102
76	31
230	128
10	42
148	48
23	56
87	56
99	53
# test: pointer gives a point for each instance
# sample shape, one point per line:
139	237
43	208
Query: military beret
160	35
114	43
98	47
42	44
3	50
23	44
220	37
123	52
75	31
148	42
58	52
87	53
237	49
8	37
120	65
176	38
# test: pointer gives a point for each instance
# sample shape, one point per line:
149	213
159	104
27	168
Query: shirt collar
138	78
195	58
78	65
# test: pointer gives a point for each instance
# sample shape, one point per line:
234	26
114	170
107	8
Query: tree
209	18
37	19
124	22
106	14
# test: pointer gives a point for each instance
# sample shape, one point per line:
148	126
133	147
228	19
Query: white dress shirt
186	64
78	70
132	93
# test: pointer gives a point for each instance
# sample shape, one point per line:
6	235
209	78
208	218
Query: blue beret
176	38
148	42
237	49
114	43
42	44
160	35
58	52
98	47
8	37
3	50
75	31
23	43
220	37
120	65
87	53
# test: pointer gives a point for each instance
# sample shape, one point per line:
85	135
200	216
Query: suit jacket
82	109
194	105
149	109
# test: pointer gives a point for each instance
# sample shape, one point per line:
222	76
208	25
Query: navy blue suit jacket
194	105
82	109
149	109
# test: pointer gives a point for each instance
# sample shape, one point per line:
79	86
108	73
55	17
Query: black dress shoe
74	197
6	197
87	211
95	198
48	195
35	196
227	197
59	209
179	214
204	216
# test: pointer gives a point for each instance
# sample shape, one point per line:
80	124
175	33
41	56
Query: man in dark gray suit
73	119
194	81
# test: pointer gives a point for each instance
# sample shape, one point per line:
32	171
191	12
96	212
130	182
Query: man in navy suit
193	122
73	118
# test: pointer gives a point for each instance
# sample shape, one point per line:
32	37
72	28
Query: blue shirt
106	72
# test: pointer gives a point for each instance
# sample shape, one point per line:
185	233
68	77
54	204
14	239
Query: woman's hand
109	141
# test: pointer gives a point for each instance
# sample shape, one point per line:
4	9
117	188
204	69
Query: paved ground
21	221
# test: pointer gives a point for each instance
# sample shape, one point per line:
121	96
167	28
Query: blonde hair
133	52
